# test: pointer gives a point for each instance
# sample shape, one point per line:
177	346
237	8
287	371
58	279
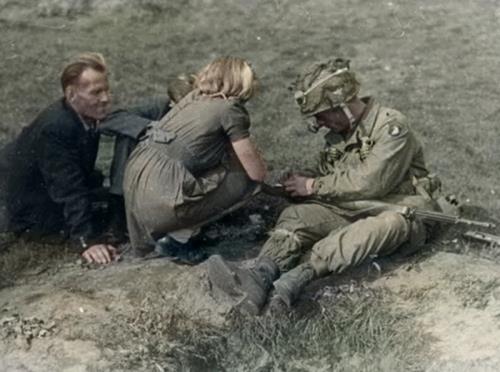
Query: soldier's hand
299	186
100	253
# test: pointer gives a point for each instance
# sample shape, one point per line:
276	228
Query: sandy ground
79	304
463	325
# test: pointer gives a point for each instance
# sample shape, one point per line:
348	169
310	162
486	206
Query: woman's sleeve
236	122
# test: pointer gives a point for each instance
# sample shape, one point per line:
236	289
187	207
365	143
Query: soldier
195	164
52	182
371	155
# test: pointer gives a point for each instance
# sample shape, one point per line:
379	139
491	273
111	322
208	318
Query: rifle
484	237
444	218
374	207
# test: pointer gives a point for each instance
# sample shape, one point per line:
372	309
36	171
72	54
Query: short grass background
437	62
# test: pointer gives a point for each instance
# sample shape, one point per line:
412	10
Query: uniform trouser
336	243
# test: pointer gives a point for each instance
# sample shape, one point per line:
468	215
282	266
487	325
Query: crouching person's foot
249	286
183	253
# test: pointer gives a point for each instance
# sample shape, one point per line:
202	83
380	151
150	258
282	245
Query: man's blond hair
80	63
227	77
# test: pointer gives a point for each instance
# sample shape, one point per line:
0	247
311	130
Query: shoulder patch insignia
394	130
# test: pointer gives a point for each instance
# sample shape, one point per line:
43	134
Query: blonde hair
80	63
227	77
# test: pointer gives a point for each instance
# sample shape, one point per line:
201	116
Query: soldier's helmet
325	85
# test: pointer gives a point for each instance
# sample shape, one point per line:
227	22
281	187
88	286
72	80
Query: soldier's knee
395	221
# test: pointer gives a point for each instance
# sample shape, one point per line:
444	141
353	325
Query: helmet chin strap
347	111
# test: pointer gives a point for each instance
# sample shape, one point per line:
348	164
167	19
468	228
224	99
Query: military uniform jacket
380	160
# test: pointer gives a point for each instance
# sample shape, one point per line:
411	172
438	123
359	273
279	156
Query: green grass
20	259
358	331
403	54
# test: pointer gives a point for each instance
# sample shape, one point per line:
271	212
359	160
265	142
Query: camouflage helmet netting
325	85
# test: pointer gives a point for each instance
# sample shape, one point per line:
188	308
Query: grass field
437	62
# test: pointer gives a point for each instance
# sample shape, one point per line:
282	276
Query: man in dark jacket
51	178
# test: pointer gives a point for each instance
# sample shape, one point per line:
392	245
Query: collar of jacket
365	125
77	117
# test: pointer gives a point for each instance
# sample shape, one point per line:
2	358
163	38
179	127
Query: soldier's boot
289	286
250	286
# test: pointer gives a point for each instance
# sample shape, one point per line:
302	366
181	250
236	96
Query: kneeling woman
196	164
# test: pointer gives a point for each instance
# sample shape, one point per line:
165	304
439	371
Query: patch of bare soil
73	306
456	300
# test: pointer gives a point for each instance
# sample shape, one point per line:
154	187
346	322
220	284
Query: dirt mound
76	304
62	322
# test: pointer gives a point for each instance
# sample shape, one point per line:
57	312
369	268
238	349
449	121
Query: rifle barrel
441	217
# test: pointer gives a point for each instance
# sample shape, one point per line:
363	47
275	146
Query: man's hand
100	253
298	185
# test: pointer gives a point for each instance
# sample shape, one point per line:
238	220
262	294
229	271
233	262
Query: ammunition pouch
427	186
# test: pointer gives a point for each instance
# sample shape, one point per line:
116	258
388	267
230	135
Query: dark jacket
51	174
